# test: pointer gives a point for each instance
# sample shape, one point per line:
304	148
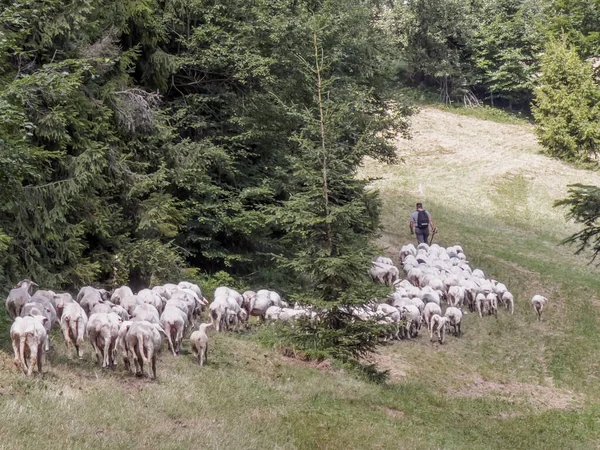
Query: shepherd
420	222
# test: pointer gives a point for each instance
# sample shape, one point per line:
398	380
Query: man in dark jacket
420	222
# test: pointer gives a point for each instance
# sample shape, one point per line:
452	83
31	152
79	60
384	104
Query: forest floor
510	382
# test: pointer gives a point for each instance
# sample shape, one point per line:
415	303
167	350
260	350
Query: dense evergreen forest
140	139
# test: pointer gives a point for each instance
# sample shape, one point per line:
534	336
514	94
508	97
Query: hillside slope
509	382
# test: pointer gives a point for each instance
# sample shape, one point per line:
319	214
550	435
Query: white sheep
437	325
429	311
509	301
539	302
454	316
199	341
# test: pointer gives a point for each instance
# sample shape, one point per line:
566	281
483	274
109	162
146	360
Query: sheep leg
40	358
15	346
33	354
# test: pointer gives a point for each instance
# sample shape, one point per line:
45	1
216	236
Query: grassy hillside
508	383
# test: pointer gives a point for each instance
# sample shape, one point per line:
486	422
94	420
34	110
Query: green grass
511	382
428	98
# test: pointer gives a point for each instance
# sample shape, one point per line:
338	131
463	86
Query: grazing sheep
28	337
539	302
454	316
509	301
493	301
437	325
482	304
199	341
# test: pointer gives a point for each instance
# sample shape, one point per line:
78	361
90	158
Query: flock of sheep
134	324
437	275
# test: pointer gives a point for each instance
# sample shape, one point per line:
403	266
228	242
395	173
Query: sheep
539	302
225	306
454	316
385	260
406	251
120	293
143	343
41	308
384	273
130	303
103	331
146	312
429	311
456	295
88	297
482	304
151	298
412	316
18	297
273	312
60	301
173	322
122	342
437	325
493	302
199	341
28	337
262	300
509	301
73	324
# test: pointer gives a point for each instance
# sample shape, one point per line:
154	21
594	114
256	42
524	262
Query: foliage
583	202
505	47
567	105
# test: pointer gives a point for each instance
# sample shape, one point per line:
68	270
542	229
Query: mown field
510	382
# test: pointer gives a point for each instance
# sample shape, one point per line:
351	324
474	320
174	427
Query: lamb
19	297
143	343
73	324
454	316
437	325
429	311
103	331
199	341
28	337
173	322
509	301
539	302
